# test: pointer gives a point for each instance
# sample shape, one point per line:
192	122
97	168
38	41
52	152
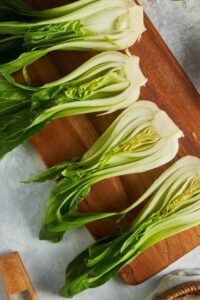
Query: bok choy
19	10
83	25
174	206
105	83
142	138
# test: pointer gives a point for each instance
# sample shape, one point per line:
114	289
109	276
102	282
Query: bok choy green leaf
17	10
105	83
174	206
83	25
142	138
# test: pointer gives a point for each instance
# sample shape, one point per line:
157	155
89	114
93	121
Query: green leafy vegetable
83	25
174	206
10	9
17	10
142	138
105	83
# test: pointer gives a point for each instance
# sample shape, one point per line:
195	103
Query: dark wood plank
63	139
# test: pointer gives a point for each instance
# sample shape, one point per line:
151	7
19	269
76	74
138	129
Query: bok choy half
105	83
83	25
142	138
174	206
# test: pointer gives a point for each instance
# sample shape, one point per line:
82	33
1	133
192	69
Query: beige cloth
190	298
174	279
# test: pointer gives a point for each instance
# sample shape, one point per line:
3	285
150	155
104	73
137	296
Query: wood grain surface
66	138
15	277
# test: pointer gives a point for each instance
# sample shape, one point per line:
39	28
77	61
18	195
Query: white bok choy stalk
142	138
19	10
173	206
93	25
105	83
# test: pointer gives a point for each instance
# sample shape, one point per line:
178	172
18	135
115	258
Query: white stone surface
21	206
178	22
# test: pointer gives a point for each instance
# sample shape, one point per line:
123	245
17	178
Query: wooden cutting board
66	138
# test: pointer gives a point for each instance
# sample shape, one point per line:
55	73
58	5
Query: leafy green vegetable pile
174	206
142	138
83	25
105	83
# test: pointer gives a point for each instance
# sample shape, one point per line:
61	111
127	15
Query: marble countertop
21	206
